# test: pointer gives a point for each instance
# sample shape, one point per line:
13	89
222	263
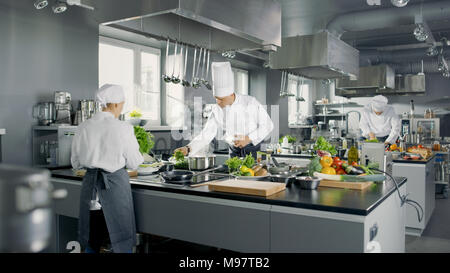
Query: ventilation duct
388	17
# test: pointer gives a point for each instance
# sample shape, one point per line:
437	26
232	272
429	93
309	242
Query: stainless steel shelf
353	104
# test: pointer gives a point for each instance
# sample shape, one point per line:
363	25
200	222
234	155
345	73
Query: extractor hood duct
216	24
388	17
370	77
380	79
317	56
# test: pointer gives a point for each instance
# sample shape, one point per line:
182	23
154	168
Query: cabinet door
235	225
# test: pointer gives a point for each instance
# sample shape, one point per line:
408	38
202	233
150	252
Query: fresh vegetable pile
323	147
244	167
180	161
290	138
145	139
326	166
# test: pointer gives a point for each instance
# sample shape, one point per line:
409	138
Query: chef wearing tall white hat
379	121
104	146
240	120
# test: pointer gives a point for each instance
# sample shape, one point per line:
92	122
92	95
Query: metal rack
442	185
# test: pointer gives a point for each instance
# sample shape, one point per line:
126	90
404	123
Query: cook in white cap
240	120
104	146
379	121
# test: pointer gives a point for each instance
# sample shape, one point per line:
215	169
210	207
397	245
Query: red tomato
420	146
354	163
338	163
340	171
336	159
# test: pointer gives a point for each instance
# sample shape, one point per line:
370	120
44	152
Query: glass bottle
353	155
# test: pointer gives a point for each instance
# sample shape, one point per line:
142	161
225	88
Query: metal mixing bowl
308	182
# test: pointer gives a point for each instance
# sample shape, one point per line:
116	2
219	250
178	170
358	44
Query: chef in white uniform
239	120
104	146
379	121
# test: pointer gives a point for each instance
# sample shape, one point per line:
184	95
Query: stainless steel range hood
370	77
215	24
380	79
318	56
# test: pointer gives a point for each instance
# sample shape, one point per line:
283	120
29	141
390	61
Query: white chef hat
222	79
379	103
110	93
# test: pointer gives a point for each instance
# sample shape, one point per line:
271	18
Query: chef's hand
371	136
184	150
241	141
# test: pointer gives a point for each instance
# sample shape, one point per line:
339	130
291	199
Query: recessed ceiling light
40	4
59	7
399	3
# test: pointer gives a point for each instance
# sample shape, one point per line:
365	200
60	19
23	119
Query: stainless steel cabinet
421	188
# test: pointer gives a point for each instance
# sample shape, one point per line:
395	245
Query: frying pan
179	177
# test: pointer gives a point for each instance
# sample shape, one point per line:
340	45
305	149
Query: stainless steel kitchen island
294	220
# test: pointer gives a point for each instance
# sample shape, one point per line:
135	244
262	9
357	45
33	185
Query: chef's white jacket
105	142
245	117
386	124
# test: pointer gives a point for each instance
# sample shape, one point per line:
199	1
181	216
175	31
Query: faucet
346	119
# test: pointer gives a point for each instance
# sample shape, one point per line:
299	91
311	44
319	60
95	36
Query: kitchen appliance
45	113
52	145
421	129
63	107
375	153
185	177
26	215
89	108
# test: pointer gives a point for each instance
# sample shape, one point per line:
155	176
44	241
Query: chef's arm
75	151
132	154
205	137
364	125
396	128
265	126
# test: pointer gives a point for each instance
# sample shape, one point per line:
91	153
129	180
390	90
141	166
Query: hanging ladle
174	79
184	82
286	90
193	67
300	98
282	94
205	79
179	59
196	82
166	77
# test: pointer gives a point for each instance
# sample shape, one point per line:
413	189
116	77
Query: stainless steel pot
199	163
26	214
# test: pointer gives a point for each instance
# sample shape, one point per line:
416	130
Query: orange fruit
393	147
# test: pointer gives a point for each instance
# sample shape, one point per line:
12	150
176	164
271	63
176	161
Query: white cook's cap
379	103
222	79
110	93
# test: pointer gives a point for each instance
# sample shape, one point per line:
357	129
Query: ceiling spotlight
229	54
59	7
432	51
399	3
40	4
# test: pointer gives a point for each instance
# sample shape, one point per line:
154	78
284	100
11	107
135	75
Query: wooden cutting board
131	173
259	188
345	185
